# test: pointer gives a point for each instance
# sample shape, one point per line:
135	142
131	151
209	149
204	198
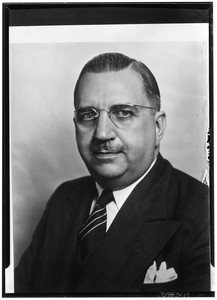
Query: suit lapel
136	236
78	209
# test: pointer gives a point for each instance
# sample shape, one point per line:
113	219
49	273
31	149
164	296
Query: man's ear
160	126
75	126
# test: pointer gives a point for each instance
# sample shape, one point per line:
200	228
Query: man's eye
123	113
87	116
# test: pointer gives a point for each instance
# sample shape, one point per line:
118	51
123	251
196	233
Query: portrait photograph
108	171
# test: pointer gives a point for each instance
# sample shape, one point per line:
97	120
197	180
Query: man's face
116	157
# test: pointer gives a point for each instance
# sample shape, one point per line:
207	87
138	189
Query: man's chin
111	179
107	172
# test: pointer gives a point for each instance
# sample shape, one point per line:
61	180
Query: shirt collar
121	195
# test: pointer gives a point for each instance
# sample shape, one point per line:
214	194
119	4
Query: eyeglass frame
109	112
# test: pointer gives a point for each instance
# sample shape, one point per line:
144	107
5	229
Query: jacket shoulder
189	186
188	182
192	196
75	183
75	186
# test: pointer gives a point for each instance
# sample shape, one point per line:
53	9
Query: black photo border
45	14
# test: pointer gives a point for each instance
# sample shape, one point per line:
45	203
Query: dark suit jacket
165	218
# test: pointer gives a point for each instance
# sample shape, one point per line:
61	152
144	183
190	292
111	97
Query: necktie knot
105	198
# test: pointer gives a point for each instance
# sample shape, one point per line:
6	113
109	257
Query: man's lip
105	152
106	155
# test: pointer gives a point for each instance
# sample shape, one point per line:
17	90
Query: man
137	225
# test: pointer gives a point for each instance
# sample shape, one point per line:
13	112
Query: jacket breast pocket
164	287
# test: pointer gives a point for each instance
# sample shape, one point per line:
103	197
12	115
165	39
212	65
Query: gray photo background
43	147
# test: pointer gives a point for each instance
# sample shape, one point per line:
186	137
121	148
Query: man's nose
105	128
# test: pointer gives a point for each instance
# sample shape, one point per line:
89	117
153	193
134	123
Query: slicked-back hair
114	62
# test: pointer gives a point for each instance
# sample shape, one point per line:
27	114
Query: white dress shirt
120	197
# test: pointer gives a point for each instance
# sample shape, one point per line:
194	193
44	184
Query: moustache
107	146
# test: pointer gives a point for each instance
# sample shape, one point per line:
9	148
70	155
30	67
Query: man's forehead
112	85
121	75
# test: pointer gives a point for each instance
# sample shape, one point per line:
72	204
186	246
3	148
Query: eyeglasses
122	115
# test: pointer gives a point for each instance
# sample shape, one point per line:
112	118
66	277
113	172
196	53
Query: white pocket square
161	275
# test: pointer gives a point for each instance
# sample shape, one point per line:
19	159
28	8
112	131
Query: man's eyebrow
114	105
122	104
85	107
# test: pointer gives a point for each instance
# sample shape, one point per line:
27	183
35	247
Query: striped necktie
94	228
